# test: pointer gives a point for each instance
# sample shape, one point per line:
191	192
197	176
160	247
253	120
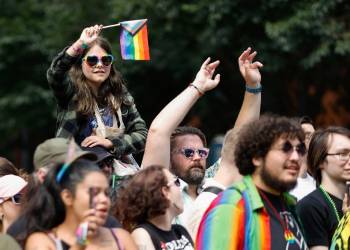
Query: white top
303	187
199	206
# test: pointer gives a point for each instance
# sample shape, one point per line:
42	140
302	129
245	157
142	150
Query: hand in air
249	70
93	141
204	77
89	35
345	206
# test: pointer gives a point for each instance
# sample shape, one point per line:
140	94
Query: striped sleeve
222	226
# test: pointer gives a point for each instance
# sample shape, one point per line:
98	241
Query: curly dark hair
257	137
142	197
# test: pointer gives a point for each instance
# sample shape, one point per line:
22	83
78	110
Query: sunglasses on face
108	162
288	147
15	199
189	152
175	180
92	61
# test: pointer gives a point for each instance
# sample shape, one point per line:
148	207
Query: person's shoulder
141	233
40	240
7	242
312	199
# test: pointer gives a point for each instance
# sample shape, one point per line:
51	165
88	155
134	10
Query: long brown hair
111	87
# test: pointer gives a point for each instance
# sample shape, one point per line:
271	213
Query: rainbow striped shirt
237	219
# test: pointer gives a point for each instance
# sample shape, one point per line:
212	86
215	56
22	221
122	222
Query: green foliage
303	40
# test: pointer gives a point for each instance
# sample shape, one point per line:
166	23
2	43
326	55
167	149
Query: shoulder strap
214	190
116	239
57	241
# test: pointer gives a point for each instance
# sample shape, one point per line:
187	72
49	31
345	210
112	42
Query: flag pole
110	26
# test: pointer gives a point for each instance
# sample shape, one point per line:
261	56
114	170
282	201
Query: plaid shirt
69	123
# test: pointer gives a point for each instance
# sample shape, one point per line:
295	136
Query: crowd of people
279	184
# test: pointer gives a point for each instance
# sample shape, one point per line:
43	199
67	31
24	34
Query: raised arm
250	110
157	150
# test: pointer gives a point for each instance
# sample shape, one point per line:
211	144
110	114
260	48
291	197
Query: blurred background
303	44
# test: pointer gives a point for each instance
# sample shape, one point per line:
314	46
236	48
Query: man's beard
190	176
274	182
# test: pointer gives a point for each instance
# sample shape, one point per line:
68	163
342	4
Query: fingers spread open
251	57
244	54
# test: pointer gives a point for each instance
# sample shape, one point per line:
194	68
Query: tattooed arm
142	239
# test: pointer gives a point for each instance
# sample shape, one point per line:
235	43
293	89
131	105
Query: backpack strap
214	190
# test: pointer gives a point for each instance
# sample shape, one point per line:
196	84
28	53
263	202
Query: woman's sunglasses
175	180
108	162
92	61
288	147
189	152
16	199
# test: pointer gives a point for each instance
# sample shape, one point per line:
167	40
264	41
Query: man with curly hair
257	212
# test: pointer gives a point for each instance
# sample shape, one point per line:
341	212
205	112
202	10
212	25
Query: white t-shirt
303	187
199	206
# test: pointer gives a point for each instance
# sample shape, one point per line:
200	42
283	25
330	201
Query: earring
0	216
175	204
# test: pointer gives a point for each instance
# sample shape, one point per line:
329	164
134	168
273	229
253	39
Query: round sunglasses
15	199
92	61
175	180
287	147
189	152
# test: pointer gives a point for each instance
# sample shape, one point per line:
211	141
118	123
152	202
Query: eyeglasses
175	180
342	156
108	162
288	147
92	61
189	152
16	199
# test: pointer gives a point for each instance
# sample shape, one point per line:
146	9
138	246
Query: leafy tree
304	46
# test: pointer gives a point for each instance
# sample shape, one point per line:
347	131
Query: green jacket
69	123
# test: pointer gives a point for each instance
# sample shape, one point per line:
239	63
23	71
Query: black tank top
177	238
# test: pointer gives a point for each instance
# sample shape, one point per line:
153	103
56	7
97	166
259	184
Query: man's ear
67	197
257	162
41	174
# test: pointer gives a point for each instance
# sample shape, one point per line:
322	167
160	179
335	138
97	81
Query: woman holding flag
93	104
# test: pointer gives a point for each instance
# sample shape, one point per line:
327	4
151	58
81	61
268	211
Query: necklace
331	201
288	235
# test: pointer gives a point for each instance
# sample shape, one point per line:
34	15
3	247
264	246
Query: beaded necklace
331	201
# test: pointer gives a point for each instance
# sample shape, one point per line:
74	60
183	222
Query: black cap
101	153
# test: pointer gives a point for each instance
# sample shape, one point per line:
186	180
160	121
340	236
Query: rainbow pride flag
134	40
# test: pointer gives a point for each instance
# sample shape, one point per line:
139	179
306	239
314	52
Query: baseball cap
101	153
11	185
55	150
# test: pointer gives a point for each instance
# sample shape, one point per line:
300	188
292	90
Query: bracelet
77	50
199	90
84	45
255	90
82	232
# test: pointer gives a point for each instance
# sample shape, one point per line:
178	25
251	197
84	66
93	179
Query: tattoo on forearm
142	247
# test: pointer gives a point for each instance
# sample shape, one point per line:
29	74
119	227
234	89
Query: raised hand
89	35
249	70
204	76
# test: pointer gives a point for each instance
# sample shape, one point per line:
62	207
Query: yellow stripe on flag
137	46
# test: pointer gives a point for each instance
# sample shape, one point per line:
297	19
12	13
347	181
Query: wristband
77	50
82	232
199	90
84	45
255	90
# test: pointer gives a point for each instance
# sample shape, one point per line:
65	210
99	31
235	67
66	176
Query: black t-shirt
177	238
278	240
318	217
18	225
